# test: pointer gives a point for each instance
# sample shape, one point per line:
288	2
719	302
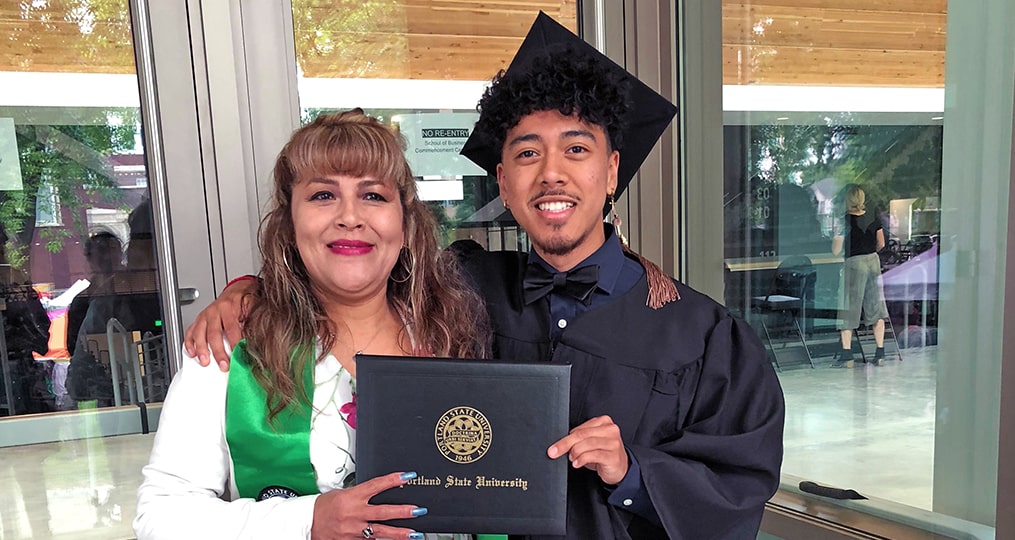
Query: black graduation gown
690	386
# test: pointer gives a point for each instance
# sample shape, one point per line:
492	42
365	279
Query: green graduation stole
268	459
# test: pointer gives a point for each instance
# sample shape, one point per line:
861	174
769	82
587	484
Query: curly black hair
564	79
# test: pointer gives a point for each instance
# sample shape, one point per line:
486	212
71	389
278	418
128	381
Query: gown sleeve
712	479
631	495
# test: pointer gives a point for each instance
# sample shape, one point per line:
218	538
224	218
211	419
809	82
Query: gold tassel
661	289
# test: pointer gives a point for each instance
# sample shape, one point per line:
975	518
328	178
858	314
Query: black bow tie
578	283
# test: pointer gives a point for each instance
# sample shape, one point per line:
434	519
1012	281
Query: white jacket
188	490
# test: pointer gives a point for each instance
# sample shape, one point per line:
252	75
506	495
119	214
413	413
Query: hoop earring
615	219
405	261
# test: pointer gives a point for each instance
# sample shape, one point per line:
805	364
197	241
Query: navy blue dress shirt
617	275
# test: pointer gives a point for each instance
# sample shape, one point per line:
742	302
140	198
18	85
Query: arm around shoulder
220	322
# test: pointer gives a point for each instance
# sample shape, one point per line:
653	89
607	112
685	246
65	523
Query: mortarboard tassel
661	289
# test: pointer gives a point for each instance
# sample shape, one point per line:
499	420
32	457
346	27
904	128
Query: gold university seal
463	435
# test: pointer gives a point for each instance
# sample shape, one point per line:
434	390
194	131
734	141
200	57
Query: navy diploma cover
476	433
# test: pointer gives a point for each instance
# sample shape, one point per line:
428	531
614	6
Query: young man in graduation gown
676	413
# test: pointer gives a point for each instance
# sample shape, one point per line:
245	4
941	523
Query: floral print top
333	431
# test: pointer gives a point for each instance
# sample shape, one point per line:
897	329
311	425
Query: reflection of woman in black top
862	236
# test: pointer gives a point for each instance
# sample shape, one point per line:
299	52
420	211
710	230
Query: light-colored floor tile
869	428
80	490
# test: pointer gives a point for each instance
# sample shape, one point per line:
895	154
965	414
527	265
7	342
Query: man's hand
595	445
223	315
345	513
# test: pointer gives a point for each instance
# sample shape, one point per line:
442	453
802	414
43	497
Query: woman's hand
347	513
222	316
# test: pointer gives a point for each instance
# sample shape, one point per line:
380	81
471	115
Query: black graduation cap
648	116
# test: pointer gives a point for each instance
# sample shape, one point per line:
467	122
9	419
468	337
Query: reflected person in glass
860	236
350	264
88	380
26	331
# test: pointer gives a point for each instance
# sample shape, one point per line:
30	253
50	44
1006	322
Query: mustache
553	193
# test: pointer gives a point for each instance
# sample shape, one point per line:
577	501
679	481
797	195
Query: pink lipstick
350	247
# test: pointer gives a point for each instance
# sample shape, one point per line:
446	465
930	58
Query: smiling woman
348	231
351	265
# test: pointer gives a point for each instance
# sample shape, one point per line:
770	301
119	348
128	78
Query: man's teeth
556	206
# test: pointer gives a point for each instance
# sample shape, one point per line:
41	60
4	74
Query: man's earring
615	219
506	207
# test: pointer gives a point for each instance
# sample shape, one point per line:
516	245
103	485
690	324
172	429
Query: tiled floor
869	428
80	490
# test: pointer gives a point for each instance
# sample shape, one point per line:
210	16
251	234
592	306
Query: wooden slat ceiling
819	42
813	42
416	39
60	36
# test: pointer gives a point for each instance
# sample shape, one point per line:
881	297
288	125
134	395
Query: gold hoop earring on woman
406	262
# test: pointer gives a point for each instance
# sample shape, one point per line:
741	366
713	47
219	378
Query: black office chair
784	308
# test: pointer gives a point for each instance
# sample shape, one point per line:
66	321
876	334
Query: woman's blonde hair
855	200
443	315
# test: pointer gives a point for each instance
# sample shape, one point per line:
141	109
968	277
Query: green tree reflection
350	38
70	161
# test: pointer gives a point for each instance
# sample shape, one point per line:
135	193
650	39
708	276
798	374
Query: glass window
79	303
860	194
421	67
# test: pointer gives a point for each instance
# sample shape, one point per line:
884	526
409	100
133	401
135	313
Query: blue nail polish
407	476
421	511
415	536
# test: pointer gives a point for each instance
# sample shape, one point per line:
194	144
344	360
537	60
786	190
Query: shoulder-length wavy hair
443	315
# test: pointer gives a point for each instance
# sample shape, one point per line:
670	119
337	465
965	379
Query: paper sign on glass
10	165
